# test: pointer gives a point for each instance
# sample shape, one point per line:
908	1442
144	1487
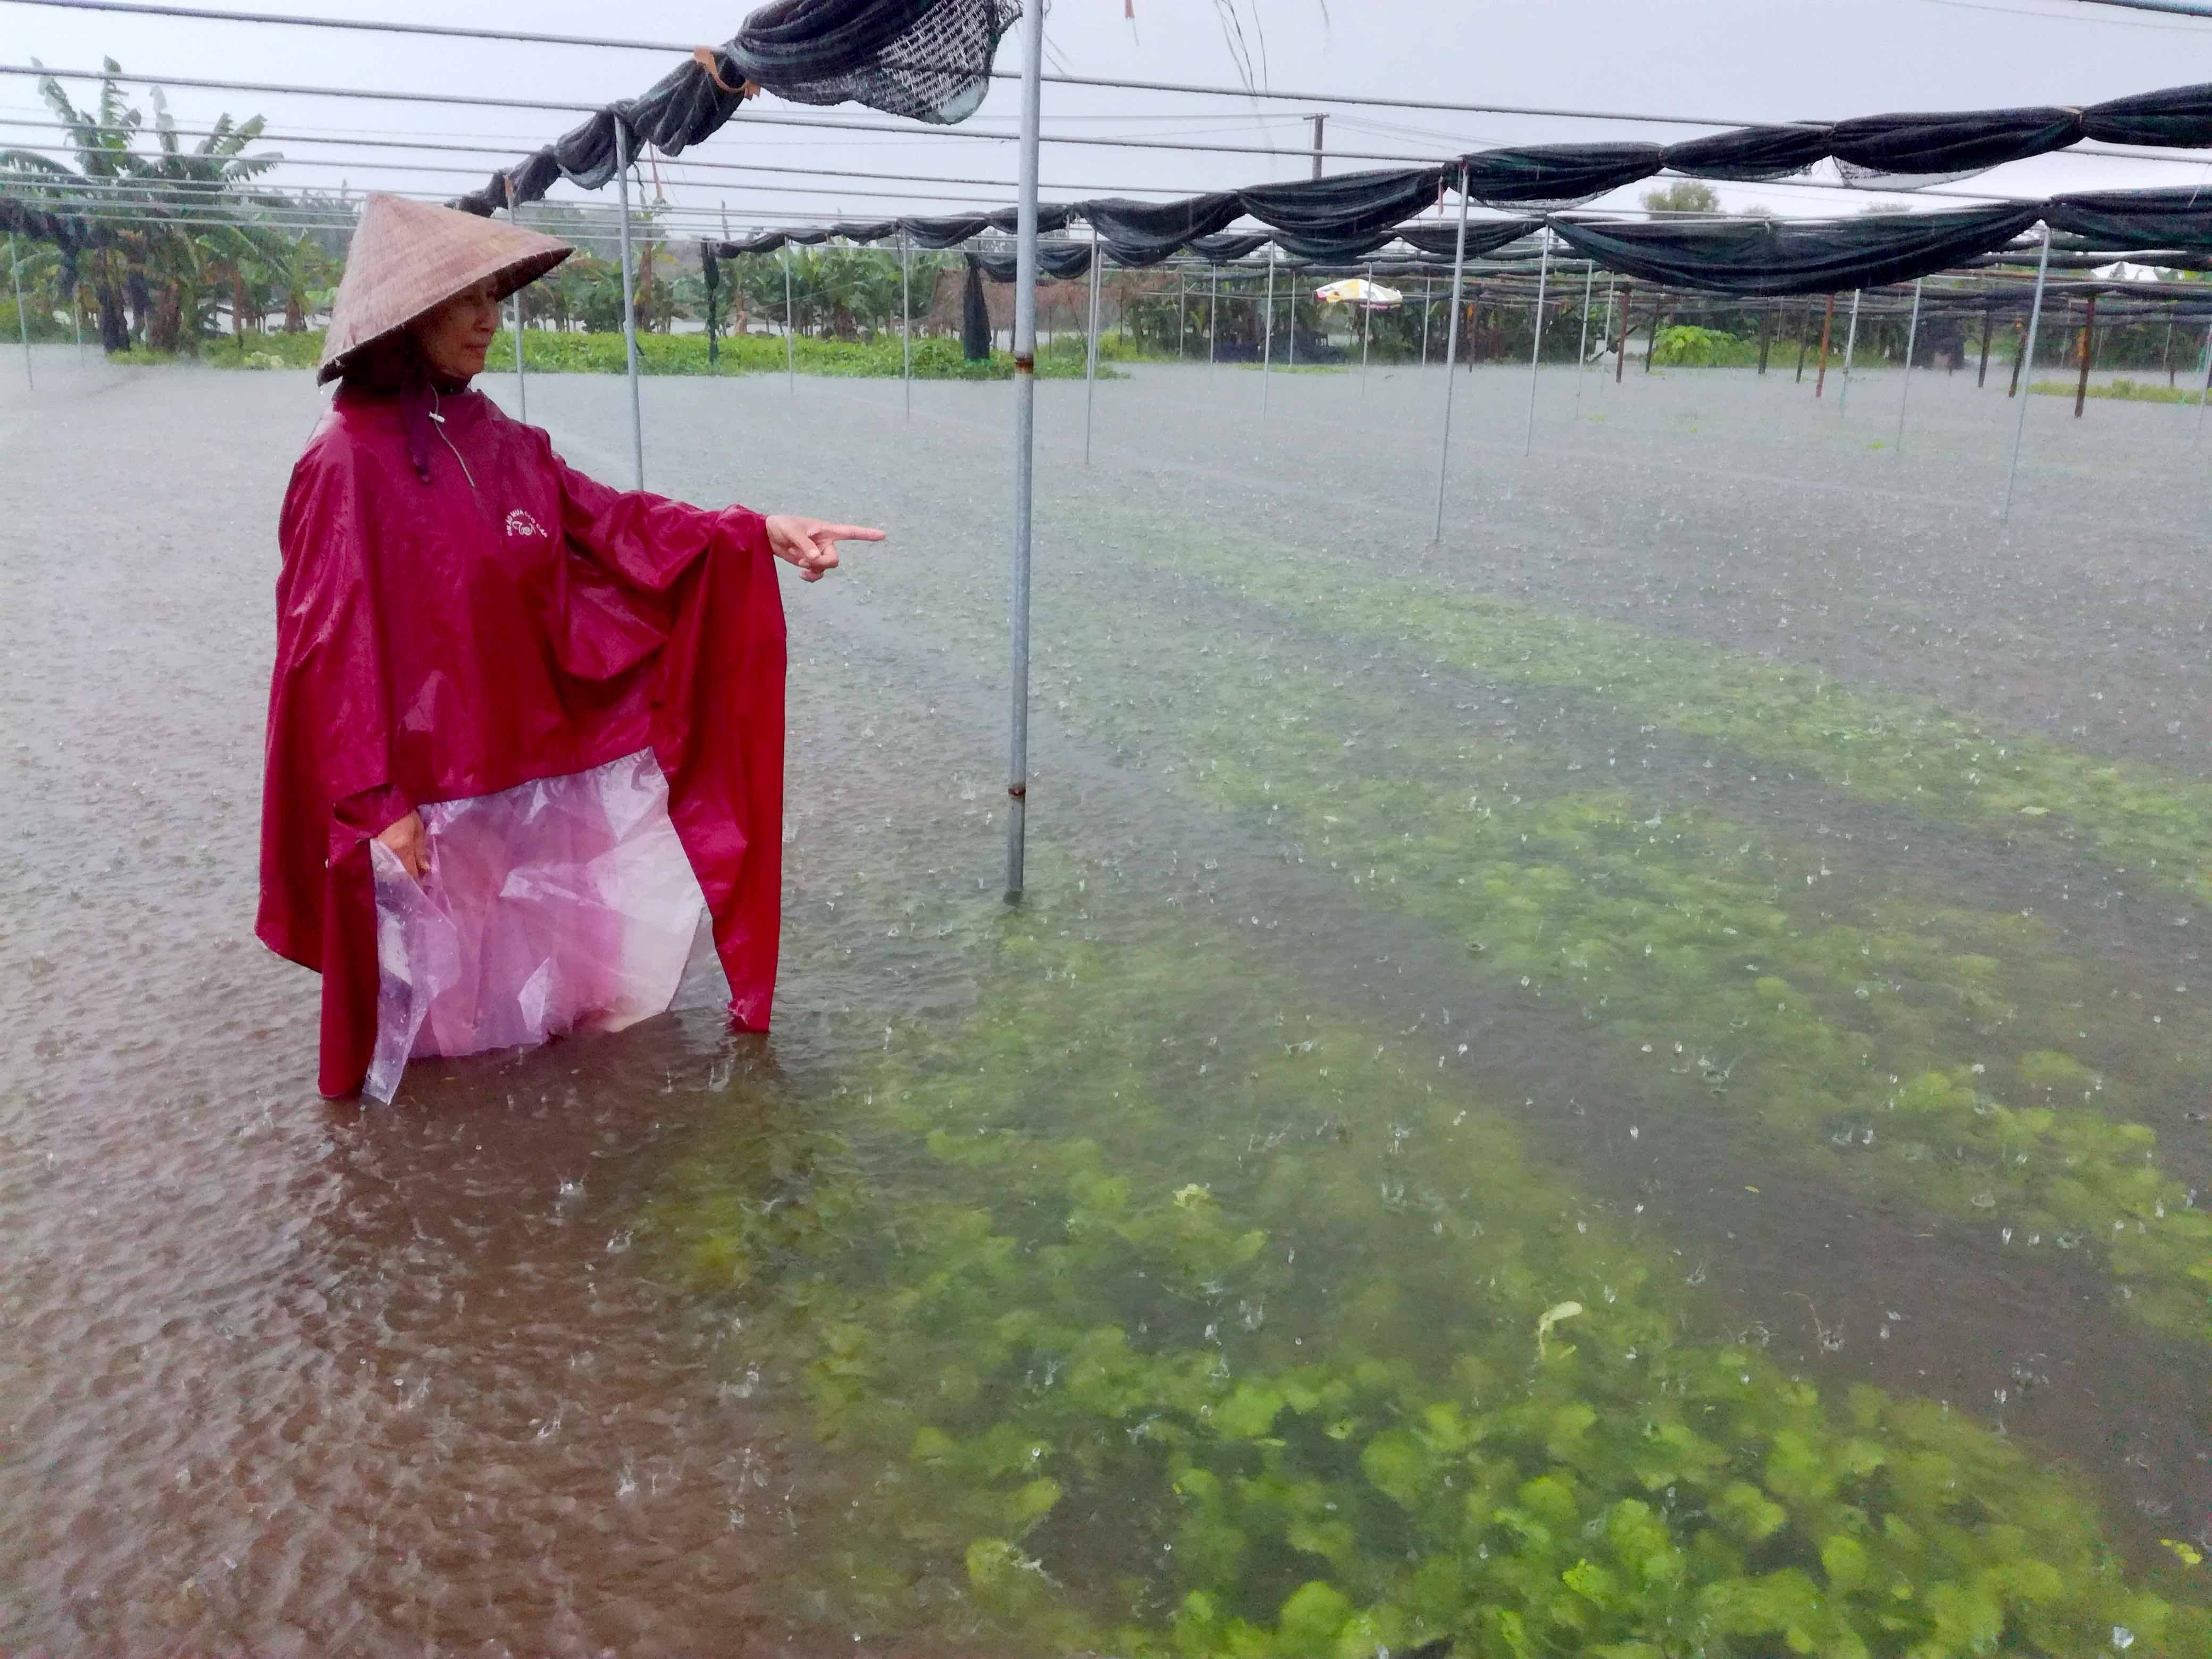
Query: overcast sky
1722	61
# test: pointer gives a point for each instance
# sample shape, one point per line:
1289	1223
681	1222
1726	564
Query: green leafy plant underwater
1146	1321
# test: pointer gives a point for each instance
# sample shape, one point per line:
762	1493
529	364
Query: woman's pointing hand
812	543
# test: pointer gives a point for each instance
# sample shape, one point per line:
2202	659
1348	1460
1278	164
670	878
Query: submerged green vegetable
1142	1314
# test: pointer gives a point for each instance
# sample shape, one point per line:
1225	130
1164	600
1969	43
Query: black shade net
928	60
1768	255
974	316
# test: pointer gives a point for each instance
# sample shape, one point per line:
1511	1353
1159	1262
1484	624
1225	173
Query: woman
508	699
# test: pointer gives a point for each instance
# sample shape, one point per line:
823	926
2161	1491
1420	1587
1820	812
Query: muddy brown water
278	1376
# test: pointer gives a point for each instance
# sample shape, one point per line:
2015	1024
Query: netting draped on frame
928	60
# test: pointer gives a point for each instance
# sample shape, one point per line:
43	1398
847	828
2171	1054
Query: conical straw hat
408	258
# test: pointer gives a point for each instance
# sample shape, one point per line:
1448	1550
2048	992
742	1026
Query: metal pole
23	321
1365	309
1268	342
1212	311
2028	356
1091	360
2205	396
1181	316
1451	352
790	349
1318	121
76	308
1582	347
1627	319
1851	344
1536	345
521	387
1912	337
630	309
1988	319
1428	304
1017	602
906	317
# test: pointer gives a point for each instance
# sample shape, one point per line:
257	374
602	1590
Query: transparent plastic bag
565	904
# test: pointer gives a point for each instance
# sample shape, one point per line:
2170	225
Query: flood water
1635	1082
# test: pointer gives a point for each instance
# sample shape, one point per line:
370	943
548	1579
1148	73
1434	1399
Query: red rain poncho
510	622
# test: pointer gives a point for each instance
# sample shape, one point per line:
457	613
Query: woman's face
454	337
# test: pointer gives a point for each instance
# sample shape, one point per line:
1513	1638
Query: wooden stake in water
2088	350
630	309
1451	351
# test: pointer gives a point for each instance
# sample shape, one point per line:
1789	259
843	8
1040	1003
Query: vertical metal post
790	347
1851	344
1536	345
1318	122
1451	352
630	309
521	387
22	319
1091	359
1627	319
1017	603
1267	340
2205	396
2028	356
1988	320
1181	313
76	308
1912	338
1428	304
1582	349
1212	313
1366	309
906	317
